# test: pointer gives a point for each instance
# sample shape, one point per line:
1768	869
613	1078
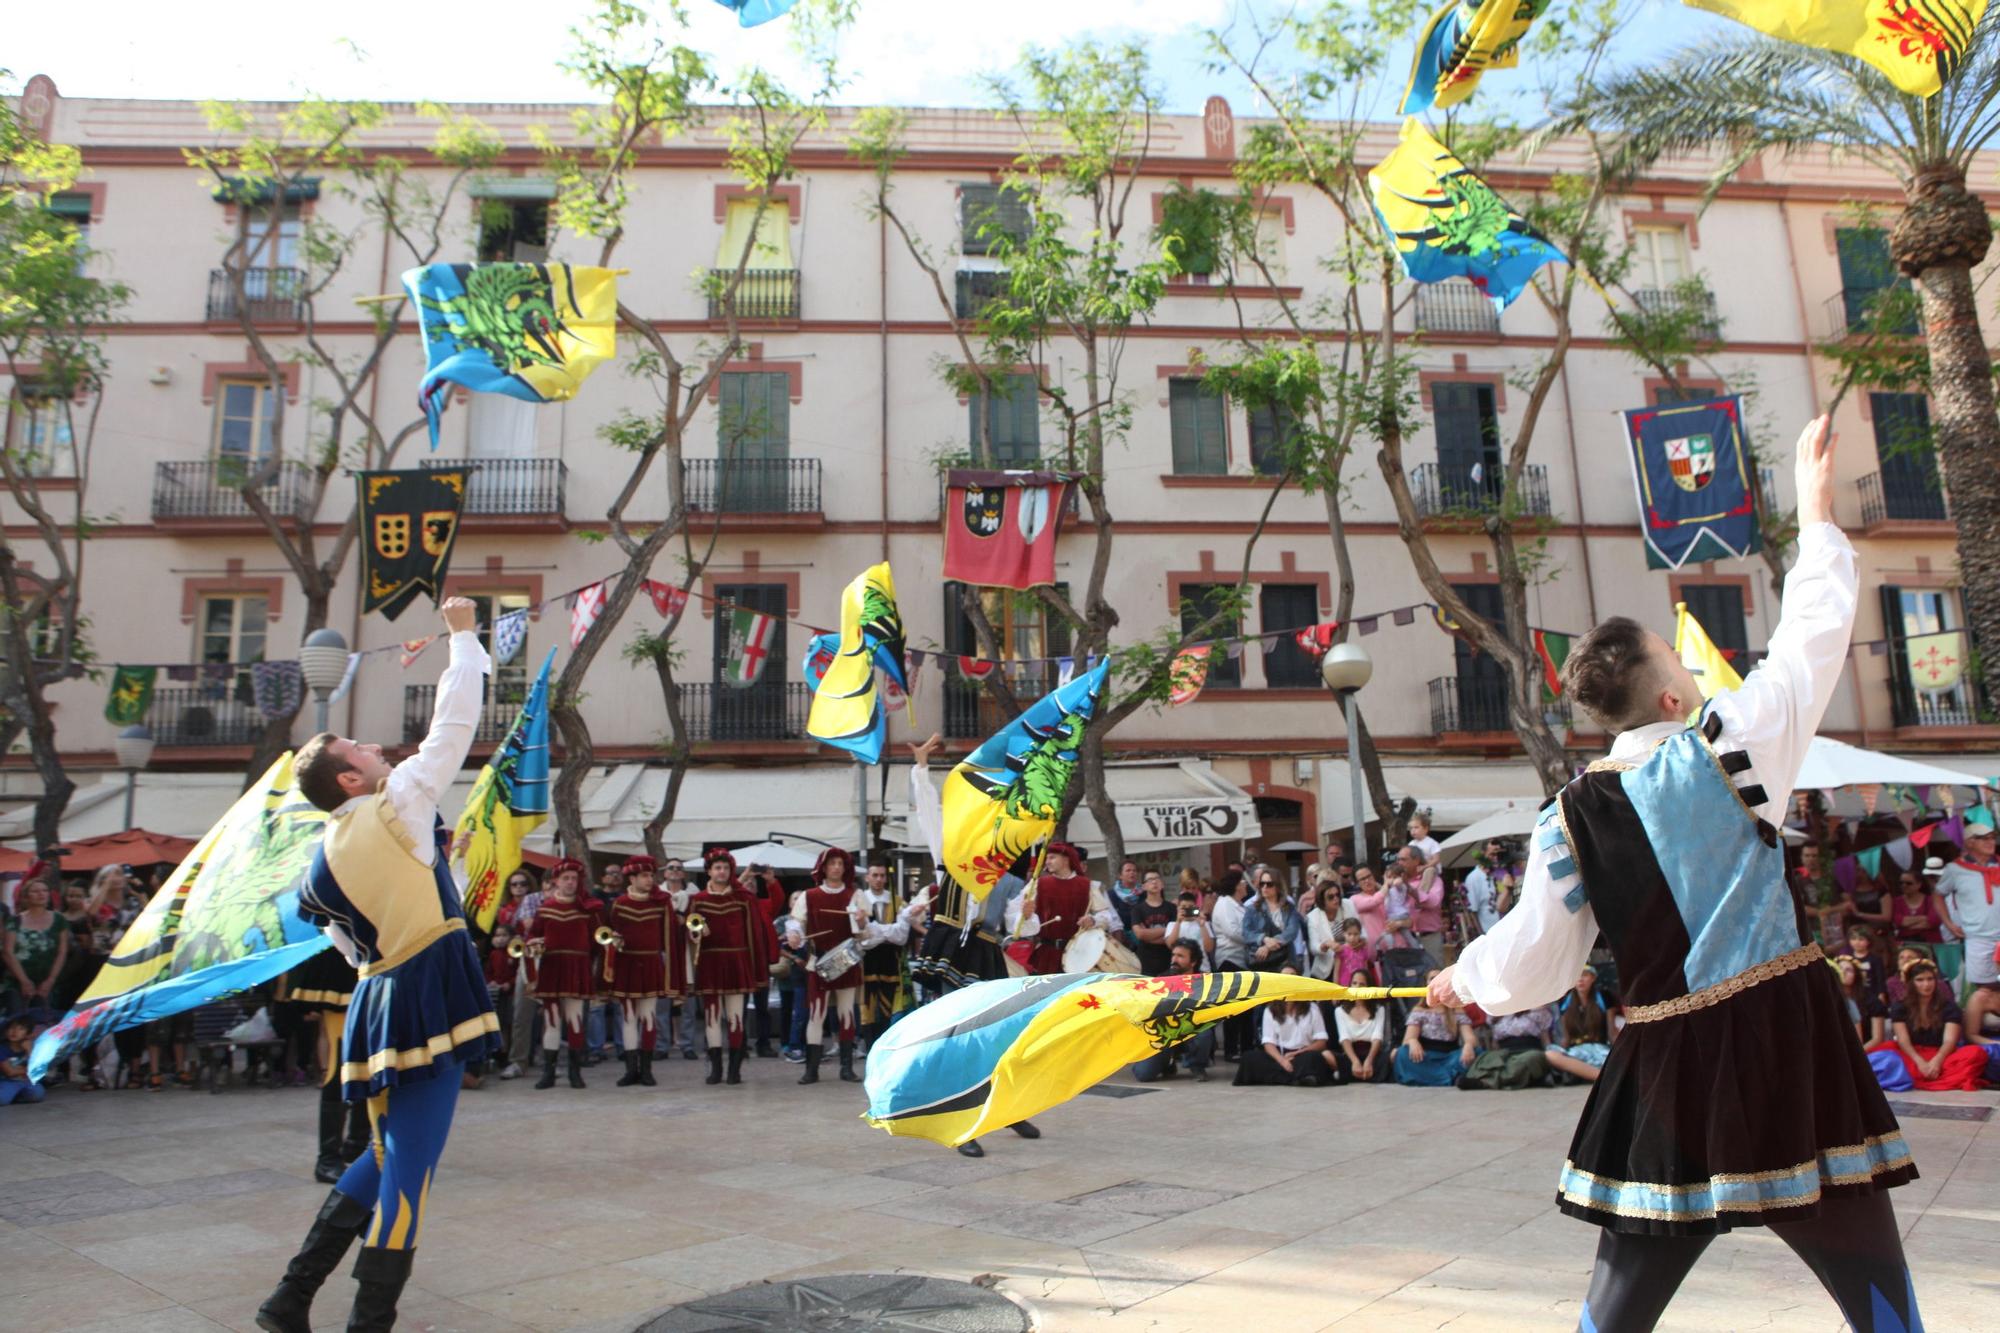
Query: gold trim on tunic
411	948
1803	956
415	1057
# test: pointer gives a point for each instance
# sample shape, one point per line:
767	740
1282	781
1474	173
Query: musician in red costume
731	950
827	912
560	938
639	917
1056	906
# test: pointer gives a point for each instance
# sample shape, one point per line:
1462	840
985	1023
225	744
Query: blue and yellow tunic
420	1007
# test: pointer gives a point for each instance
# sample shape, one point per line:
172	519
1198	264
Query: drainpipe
882	284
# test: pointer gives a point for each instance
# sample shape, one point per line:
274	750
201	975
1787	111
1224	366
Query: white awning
1457	795
720	806
1832	763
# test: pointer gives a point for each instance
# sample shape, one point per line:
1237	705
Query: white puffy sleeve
927	808
419	782
1533	956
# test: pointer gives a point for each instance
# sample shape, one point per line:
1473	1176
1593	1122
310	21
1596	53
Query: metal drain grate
849	1301
1932	1111
1116	1090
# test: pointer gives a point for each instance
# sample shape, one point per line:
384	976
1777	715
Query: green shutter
1196	419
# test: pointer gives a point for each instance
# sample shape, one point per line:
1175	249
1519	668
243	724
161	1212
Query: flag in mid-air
1462	41
227	919
750	13
999	1052
1692	470
1705	662
409	524
530	331
1445	222
1000	528
847	710
1007	795
509	800
1917	43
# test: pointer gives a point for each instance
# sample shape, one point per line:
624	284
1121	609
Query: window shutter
1287	606
1902	696
976	216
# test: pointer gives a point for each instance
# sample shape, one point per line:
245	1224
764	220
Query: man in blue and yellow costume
1737	1094
380	888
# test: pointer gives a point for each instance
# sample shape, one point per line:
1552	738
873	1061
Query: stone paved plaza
1179	1207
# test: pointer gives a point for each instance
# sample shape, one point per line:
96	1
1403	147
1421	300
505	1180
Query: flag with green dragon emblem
530	331
1007	795
848	712
1445	222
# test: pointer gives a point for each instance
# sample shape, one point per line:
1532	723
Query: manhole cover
849	1301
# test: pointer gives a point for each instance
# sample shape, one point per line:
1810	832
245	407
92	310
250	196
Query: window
232	631
1718	608
508	683
1271	242
1468	443
1199	601
773	246
1903	448
1666	395
273	236
1271	428
1866	271
1013	419
75	210
513	231
1907	613
758	712
1284	606
243	421
1196	416
754	440
1659	256
988	212
1027	630
1481	683
39	435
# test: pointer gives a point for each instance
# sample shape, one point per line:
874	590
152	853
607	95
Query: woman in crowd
1370	903
1864	1010
1918	917
1437	1046
517	913
1323	933
1585	1031
1293	1052
84	959
1359	1028
1273	930
1518	1056
36	948
1925	1053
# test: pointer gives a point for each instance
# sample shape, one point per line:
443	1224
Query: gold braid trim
1803	956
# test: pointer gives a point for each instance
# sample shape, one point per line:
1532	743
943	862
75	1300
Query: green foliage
648	649
1195	225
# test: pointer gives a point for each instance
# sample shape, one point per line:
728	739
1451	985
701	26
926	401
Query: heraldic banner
1000	527
409	521
1697	500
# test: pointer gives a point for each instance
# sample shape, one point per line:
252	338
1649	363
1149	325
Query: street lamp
1345	669
323	662
134	747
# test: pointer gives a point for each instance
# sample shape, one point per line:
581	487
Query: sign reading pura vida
1201	821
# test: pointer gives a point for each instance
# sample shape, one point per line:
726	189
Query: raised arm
926	806
419	782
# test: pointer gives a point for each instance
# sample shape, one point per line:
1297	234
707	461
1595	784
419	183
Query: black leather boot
381	1274
548	1078
847	1074
736	1054
332	1120
630	1078
812	1065
646	1079
575	1068
764	1051
289	1308
714	1066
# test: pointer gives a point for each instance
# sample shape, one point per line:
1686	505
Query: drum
1118	958
1084	951
838	961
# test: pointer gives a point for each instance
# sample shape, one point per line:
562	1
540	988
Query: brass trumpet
697	931
517	949
608	940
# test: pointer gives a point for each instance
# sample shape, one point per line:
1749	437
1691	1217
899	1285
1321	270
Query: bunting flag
276	689
131	695
847	711
1711	670
1006	796
668	600
750	13
1444	222
414	648
1000	528
999	1052
584	611
510	635
1936	662
1186	674
530	331
1065	671
409	523
975	668
750	641
1871	795
894	696
1870	861
1692	471
227	919
1462	41
1317	639
1553	649
1917	43
509	800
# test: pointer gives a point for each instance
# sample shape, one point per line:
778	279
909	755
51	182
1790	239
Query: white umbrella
1830	763
775	855
1516	821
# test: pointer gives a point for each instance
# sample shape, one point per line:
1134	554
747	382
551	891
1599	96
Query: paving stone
1140	1196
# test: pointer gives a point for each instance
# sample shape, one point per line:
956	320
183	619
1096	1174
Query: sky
900	52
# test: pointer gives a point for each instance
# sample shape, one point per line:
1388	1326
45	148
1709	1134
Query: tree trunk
578	756
1098	797
678	750
30	709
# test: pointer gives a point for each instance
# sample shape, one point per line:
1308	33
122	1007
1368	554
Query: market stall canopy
777	856
1457	795
1832	763
1516	821
133	847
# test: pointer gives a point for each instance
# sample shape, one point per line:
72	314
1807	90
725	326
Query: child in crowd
1353	961
1420	836
1894	990
1397	906
1861	948
500	973
14	1084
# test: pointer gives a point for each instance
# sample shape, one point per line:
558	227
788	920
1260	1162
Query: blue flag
750	13
509	800
1692	468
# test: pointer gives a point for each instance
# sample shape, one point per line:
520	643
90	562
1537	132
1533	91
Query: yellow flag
1917	43
1712	672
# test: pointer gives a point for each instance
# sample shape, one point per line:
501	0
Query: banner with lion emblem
409	521
1697	499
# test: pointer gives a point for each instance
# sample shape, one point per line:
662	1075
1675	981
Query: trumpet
611	942
517	949
531	950
697	931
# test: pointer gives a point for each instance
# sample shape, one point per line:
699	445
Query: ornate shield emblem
392	536
439	524
984	507
1691	459
1034	512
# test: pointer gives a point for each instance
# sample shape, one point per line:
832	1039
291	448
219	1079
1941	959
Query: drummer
1056	906
831	919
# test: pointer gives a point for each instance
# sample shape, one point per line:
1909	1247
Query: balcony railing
1705	321
764	293
1955	708
1455	307
213	488
975	288
196	715
1442	490
1854	310
273	295
511	486
496	714
767	711
751	485
1471	703
1900	497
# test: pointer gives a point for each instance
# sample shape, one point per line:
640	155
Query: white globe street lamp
1345	669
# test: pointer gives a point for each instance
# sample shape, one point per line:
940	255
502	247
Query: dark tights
1851	1245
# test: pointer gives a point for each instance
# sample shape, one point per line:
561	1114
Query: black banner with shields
409	521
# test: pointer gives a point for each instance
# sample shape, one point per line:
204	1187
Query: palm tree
1748	94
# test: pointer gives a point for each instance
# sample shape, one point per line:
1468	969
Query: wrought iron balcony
1450	490
1954	708
1706	321
976	287
763	293
212	488
1456	307
496	714
1857	310
511	486
751	485
1896	497
1471	703
271	295
201	715
771	710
